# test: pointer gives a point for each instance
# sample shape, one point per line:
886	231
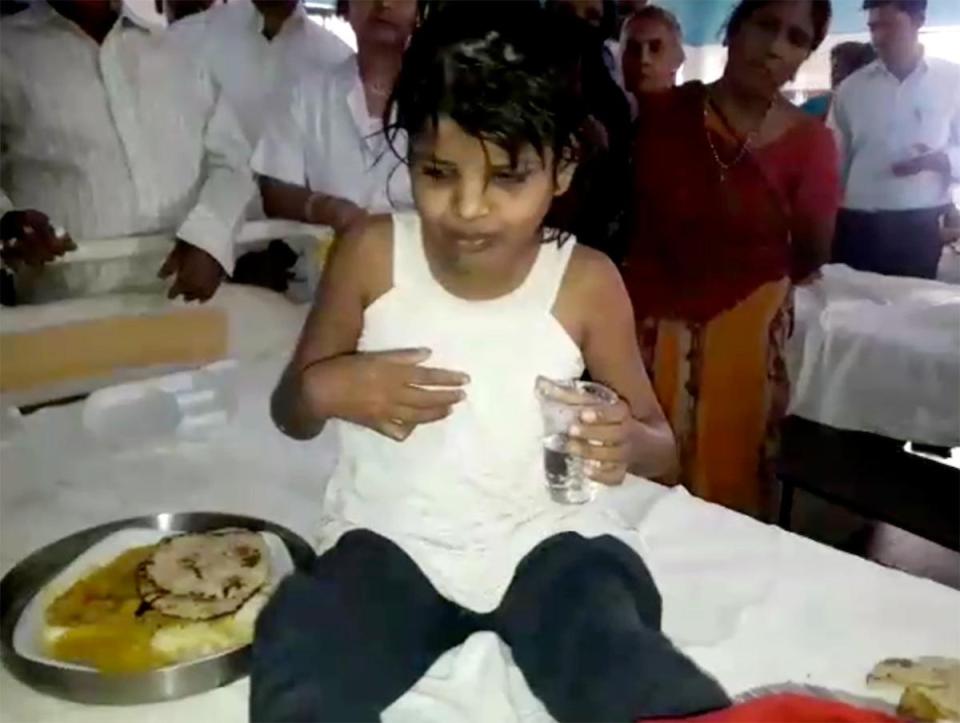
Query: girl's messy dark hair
501	71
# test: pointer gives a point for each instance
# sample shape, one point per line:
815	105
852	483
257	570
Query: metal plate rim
31	574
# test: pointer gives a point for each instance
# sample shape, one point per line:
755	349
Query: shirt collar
878	68
295	19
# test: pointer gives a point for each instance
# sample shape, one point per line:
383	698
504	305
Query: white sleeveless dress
465	497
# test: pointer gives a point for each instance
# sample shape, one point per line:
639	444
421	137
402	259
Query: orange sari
724	388
708	270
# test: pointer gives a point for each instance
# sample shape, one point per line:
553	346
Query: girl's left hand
602	437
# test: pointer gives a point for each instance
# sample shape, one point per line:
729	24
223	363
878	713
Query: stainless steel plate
87	686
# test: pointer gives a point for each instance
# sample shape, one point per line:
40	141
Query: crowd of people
712	199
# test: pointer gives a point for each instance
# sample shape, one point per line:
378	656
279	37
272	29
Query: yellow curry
103	628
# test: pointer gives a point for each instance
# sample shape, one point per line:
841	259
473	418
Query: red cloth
788	708
699	243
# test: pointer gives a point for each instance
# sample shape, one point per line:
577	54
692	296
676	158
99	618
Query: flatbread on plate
199	576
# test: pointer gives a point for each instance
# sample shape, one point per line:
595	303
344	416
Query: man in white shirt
108	132
323	157
897	124
255	50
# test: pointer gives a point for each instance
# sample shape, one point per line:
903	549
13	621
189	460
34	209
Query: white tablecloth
878	354
751	604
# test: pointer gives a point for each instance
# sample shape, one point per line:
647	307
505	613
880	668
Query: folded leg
342	642
582	617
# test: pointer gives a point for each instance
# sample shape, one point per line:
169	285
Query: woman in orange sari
736	195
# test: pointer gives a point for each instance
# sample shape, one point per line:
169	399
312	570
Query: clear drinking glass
561	403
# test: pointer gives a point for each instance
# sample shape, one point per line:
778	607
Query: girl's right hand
383	391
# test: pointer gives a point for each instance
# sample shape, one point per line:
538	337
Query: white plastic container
188	405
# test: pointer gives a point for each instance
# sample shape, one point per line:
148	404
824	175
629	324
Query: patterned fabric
724	387
119	139
708	270
793	708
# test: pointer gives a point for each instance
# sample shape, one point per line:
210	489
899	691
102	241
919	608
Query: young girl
425	343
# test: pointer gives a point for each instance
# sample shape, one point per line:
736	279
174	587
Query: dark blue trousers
895	243
582	618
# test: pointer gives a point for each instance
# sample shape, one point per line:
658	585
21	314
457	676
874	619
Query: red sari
708	270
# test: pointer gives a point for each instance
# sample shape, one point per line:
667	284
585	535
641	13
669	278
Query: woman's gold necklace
725	166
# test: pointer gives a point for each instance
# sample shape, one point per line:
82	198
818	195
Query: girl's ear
567	165
564	176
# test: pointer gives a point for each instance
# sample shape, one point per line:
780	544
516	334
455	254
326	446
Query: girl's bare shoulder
591	272
592	289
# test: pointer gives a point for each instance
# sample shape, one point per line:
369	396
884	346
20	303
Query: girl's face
479	211
770	46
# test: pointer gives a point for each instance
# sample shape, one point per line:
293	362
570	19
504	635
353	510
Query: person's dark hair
608	21
608	26
502	71
853	55
500	74
916	9
820	10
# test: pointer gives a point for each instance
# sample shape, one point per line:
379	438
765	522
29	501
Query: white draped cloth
878	354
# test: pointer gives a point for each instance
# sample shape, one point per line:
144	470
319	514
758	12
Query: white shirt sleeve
227	188
281	152
839	124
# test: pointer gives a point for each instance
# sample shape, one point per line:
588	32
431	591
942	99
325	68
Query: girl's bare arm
612	355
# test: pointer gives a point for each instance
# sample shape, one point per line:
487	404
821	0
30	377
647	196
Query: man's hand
27	237
936	162
950	228
197	275
348	215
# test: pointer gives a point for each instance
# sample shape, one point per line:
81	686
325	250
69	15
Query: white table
878	354
750	603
